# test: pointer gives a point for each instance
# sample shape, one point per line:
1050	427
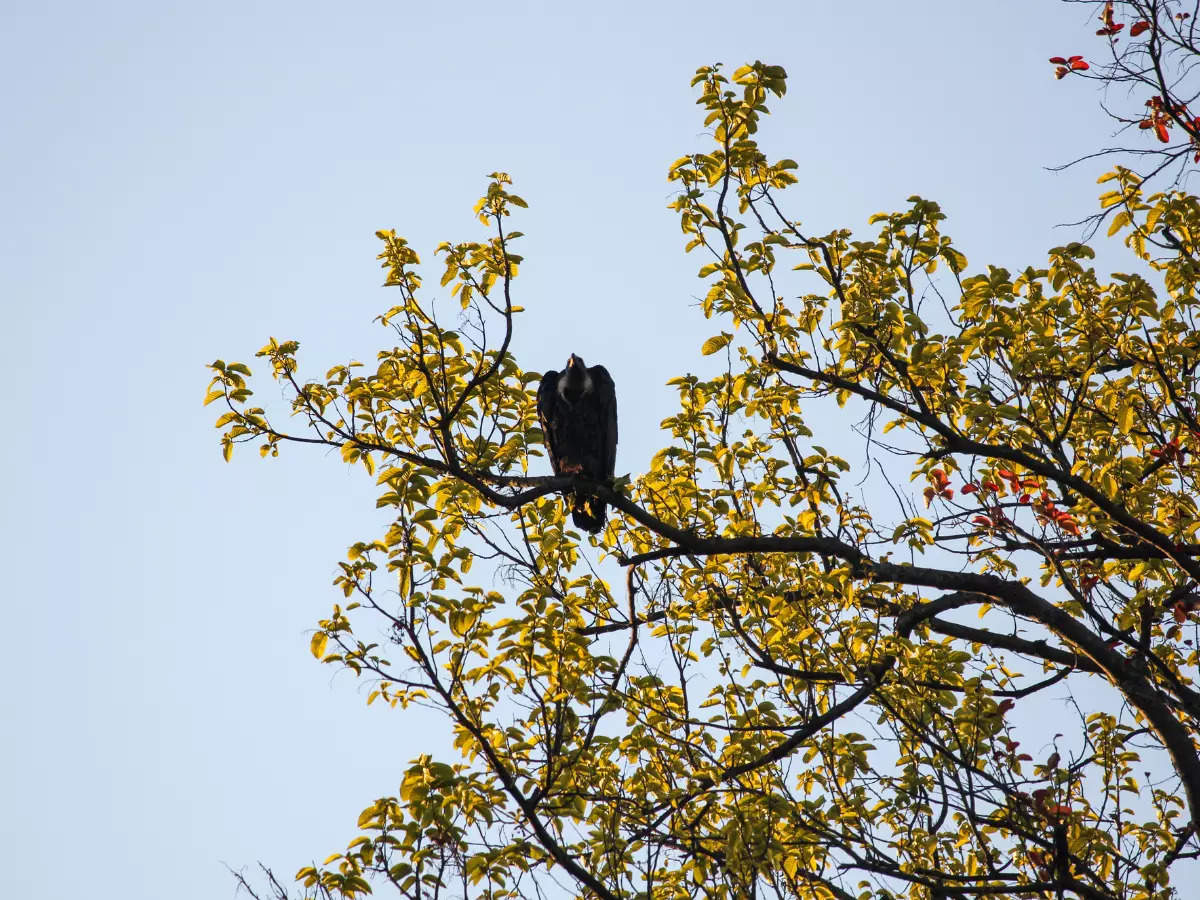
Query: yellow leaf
715	343
462	622
317	645
1125	421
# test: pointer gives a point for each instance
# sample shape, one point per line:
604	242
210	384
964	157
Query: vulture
577	408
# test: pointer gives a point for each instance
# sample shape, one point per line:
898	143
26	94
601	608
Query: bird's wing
606	396
547	398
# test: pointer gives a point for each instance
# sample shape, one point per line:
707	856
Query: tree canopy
765	678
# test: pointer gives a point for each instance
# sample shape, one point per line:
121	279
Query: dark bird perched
578	411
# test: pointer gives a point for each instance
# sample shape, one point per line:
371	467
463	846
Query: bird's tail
588	512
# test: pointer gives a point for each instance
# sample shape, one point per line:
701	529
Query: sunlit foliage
971	675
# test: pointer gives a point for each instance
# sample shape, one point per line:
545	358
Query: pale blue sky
182	181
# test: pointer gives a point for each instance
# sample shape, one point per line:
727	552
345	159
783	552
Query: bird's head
575	375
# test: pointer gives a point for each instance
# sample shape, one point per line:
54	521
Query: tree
751	682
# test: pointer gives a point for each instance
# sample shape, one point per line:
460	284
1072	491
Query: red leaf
1058	60
1061	71
1138	28
1146	123
969	488
1073	58
1160	129
1078	65
982	520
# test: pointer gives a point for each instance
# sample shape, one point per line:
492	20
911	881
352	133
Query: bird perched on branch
577	408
